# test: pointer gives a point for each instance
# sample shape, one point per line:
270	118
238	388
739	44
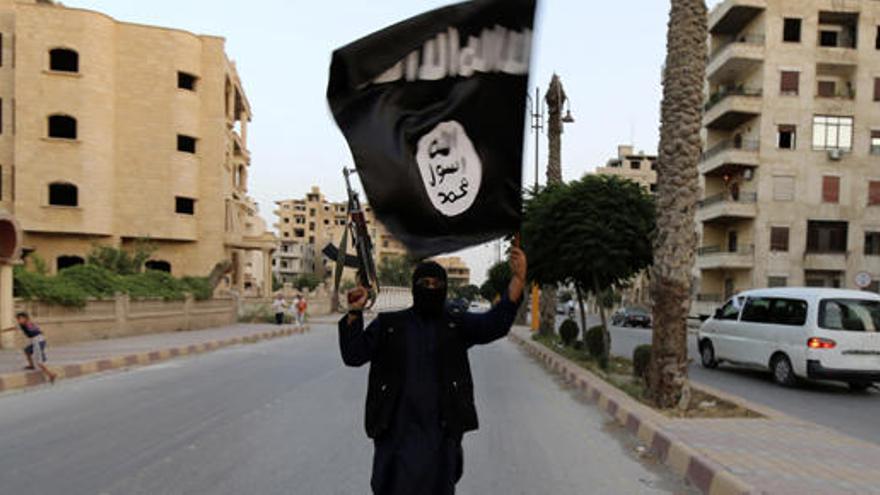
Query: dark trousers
279	318
409	471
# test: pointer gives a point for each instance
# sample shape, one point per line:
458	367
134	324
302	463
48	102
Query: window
877	89
635	165
873	193
783	188
186	81
872	243
61	194
654	165
62	127
849	315
63	60
791	31
828	38
158	265
1	116
299	232
730	311
827	89
757	310
830	189
875	142
63	262
653	188
184	206
779	239
826	237
830	132
1	49
286	220
186	144
787	137
877	39
312	212
777	282
790	82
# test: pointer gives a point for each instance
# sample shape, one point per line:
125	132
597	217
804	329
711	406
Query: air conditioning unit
835	154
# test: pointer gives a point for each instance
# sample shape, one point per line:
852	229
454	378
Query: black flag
433	111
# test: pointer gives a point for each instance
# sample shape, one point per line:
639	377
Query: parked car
808	333
631	317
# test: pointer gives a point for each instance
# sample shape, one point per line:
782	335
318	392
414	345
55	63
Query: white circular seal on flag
450	167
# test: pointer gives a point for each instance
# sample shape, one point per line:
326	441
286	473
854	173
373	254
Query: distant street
285	417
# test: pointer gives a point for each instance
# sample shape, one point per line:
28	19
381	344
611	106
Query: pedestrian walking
35	351
278	306
293	309
420	399
301	307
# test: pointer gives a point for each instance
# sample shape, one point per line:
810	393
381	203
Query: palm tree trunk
678	189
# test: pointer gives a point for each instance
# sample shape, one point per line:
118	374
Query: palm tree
678	190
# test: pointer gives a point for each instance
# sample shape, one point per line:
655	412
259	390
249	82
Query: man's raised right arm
356	344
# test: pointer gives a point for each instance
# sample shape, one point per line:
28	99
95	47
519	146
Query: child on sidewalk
301	306
36	350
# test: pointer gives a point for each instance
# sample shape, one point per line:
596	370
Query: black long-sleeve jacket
383	345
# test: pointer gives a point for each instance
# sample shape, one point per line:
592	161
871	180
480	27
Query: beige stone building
637	167
304	226
458	273
112	132
791	168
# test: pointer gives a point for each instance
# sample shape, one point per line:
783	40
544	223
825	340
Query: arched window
159	265
62	126
63	60
68	261
63	194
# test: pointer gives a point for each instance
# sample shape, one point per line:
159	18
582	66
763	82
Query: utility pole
536	114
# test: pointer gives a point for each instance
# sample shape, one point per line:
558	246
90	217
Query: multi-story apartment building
306	225
791	168
642	169
458	274
637	167
112	132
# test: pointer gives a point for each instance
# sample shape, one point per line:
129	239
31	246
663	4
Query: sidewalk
91	357
775	455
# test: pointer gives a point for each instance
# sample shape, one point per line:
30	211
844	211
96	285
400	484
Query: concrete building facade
113	132
458	274
791	168
305	225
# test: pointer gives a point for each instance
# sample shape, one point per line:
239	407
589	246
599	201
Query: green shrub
261	313
93	280
154	284
594	342
568	332
199	287
641	361
30	285
578	345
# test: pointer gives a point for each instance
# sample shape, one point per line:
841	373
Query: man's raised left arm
489	327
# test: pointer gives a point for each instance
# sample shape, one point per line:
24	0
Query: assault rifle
356	226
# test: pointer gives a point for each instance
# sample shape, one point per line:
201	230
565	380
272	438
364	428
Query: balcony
731	107
723	208
825	260
732	16
735	57
717	258
730	155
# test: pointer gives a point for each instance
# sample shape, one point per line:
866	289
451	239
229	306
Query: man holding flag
433	110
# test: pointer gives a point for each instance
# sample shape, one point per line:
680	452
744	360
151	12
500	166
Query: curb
26	379
705	474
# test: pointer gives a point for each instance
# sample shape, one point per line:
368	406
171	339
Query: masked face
429	289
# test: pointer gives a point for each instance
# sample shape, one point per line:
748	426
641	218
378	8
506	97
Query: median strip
27	379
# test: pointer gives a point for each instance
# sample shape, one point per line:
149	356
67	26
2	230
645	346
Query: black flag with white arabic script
433	111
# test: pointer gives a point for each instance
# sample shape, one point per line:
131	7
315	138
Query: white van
823	334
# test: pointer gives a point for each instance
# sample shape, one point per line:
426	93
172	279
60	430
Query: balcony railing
751	40
718	97
731	144
841	94
744	197
718	250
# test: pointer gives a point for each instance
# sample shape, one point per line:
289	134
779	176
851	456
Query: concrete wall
122	317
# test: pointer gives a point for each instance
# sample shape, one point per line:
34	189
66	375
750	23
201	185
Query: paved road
284	417
829	404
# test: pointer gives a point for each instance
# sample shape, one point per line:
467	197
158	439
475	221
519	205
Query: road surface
829	404
285	417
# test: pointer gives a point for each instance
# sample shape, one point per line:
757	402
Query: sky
608	55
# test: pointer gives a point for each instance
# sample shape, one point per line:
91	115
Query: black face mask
429	301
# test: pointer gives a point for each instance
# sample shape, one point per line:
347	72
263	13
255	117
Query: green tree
307	281
277	284
121	261
395	271
593	233
467	292
677	193
497	280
